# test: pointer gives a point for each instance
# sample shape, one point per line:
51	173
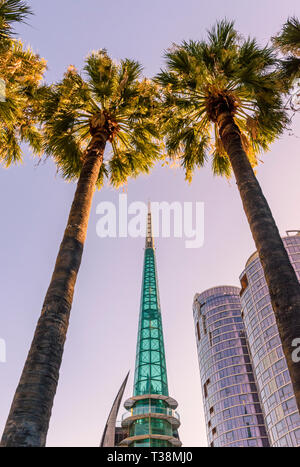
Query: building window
198	330
244	284
205	387
211	410
214	431
204	324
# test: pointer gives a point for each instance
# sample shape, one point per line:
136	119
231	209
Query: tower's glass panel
153	426
150	372
151	418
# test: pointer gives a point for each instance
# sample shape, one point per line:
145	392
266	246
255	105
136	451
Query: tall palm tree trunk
28	420
281	278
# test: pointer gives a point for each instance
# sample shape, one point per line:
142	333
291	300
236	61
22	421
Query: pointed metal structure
151	419
108	437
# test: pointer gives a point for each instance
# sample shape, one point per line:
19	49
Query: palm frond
102	75
288	41
290	68
10	151
221	165
12	11
223	35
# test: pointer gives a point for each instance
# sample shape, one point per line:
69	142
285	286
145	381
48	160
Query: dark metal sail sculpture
108	437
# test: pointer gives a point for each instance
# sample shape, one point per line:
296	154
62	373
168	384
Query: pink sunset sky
101	341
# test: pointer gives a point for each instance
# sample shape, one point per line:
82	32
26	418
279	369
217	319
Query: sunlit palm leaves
198	74
109	90
21	72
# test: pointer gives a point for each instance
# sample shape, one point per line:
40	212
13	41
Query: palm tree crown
112	99
21	72
201	77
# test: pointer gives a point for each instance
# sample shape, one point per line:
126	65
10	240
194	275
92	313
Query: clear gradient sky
101	341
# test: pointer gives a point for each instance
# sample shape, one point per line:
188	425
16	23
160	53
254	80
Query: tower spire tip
149	235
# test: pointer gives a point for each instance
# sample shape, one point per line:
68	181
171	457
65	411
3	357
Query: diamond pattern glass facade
150	371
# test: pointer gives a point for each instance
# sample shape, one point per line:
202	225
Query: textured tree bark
281	278
29	416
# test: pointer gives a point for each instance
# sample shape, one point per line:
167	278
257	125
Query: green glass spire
151	420
150	367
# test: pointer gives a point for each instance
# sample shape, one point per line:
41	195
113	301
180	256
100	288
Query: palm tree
222	99
11	11
288	42
110	104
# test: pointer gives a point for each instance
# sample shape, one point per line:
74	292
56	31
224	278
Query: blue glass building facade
233	413
273	380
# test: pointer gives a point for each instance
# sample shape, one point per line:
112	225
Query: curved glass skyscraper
151	419
231	403
247	390
270	367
